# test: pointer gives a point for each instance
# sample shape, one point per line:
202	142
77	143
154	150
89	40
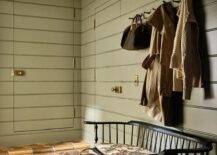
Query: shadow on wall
204	51
203	48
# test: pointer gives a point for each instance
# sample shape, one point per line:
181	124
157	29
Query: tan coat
158	83
185	57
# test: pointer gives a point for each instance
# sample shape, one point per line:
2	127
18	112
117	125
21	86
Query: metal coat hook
147	12
176	1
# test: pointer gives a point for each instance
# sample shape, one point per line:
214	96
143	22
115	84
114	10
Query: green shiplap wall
104	65
41	37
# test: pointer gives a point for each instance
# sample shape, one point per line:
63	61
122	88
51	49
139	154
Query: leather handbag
148	61
137	35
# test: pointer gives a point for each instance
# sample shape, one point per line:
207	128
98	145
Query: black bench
154	138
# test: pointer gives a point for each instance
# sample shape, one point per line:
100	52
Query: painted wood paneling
48	100
43	137
108	13
44	49
88	49
43	38
114	66
46	24
45	124
43	113
43	62
48	37
63	3
6	47
44	11
86	2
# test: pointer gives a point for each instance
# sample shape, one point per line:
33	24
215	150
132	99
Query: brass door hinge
18	72
94	23
117	89
74	13
74	62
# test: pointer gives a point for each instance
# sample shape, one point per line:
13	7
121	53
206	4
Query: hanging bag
137	35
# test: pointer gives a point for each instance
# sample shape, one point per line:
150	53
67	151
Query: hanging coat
158	84
185	57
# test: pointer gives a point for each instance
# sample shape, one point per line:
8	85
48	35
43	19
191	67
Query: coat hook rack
147	12
176	1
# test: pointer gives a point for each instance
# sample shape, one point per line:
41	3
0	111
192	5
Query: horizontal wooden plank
88	75
128	5
201	120
101	5
77	63
46	100
95	114
43	124
131	108
87	24
213	71
43	62
211	41
49	75
88	100
39	137
210	14
46	24
88	49
6	74
44	49
77	112
84	3
88	62
64	3
77	3
110	28
89	9
47	124
22	114
6	7
129	90
104	88
121	73
6	20
45	87
45	37
198	98
207	2
77	51
116	58
108	13
39	49
6	34
88	36
6	47
6	115
88	87
6	101
6	128
6	88
44	11
108	44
